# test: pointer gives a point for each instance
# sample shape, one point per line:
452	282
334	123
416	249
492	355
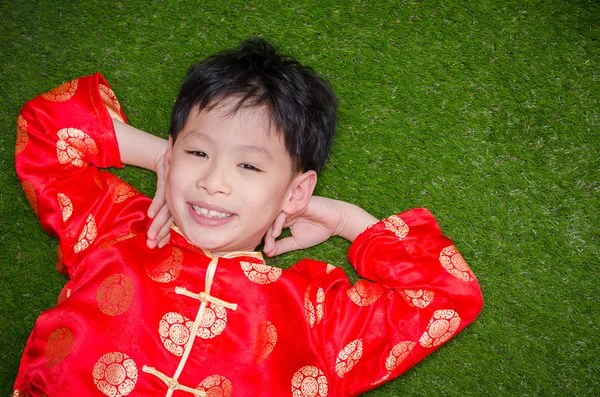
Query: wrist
353	220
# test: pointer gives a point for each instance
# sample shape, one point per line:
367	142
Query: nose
215	179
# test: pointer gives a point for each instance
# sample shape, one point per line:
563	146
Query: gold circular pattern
120	191
397	226
420	298
22	136
309	309
348	357
115	295
87	236
266	339
63	92
216	386
329	268
455	264
441	327
175	330
213	321
398	353
309	381
66	206
260	273
73	145
169	269
365	293
30	194
110	101
115	374
58	346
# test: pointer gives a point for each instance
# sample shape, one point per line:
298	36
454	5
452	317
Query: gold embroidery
73	145
314	314
115	295
320	305
216	386
30	195
213	321
60	264
87	236
455	264
266	339
109	243
64	294
442	326
169	269
329	268
365	293
309	309
396	225
115	374
420	298
65	205
63	92
111	102
260	273
22	136
58	346
120	191
348	357
174	330
98	182
398	354
309	381
381	380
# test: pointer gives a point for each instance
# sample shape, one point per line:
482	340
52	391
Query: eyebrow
259	150
256	150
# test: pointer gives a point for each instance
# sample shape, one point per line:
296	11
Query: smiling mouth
209	213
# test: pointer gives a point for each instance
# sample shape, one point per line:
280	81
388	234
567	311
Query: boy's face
228	177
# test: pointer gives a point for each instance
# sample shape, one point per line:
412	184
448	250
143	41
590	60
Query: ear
301	190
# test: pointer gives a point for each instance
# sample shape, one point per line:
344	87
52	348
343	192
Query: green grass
486	112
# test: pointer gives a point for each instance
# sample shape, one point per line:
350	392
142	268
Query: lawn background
485	112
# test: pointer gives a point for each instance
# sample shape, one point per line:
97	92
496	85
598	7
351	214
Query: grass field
485	112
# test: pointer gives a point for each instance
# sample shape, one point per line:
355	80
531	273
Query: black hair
301	104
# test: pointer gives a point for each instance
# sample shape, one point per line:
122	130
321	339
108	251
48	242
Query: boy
203	314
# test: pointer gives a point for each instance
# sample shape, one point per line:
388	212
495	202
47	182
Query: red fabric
302	332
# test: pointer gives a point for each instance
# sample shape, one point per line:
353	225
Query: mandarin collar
180	240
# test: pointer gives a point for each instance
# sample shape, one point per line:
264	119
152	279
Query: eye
197	153
250	167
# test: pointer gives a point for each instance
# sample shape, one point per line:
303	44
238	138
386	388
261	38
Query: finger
268	240
158	201
162	218
284	245
164	231
277	226
164	241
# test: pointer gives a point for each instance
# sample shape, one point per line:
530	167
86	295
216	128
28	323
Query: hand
159	231
317	223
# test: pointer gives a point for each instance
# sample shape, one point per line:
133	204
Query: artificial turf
485	112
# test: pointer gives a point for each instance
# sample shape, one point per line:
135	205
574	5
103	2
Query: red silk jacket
177	322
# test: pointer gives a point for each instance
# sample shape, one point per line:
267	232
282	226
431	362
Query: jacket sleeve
62	136
415	293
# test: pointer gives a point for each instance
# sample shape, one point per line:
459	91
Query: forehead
246	129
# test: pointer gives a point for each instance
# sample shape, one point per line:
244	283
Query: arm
147	151
416	293
64	136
